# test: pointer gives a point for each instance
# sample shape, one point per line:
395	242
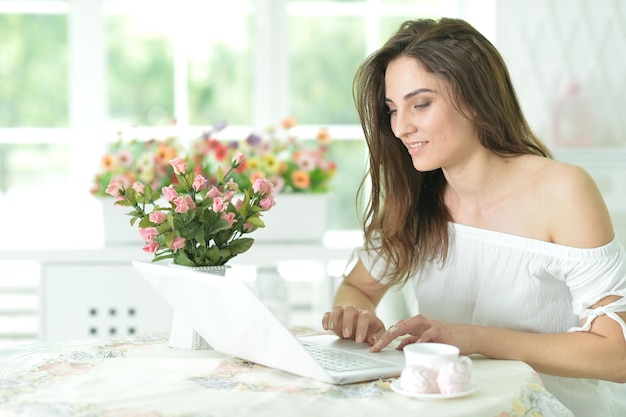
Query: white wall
547	43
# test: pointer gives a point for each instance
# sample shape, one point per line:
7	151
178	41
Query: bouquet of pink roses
196	224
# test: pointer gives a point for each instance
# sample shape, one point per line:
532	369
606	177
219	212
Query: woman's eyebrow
412	94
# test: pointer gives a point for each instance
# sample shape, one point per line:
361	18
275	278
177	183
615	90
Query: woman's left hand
419	329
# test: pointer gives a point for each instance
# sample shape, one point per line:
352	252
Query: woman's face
435	134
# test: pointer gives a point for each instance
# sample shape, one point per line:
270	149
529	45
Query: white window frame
87	62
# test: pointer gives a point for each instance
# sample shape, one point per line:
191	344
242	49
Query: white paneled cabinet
99	300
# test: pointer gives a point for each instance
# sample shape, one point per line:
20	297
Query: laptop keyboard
341	361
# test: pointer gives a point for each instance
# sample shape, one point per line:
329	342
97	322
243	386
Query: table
142	377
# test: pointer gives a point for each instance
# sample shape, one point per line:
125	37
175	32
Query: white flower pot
296	217
117	228
182	334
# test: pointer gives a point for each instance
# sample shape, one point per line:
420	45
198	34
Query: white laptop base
229	316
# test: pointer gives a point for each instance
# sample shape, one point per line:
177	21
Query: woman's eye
422	105
391	111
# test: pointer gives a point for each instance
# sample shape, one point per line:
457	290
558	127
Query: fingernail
332	325
392	329
359	338
346	332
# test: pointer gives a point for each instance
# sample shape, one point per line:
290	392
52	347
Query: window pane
33	71
324	53
31	166
350	156
220	72
141	80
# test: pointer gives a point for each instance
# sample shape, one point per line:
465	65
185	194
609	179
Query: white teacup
433	355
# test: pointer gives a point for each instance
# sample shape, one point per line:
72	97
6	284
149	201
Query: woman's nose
402	124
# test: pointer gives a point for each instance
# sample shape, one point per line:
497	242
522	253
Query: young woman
512	254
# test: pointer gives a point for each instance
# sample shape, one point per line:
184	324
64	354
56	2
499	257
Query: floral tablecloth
143	377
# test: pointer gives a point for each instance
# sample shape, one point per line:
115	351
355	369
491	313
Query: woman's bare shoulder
573	207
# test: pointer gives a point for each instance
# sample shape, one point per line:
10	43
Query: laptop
226	312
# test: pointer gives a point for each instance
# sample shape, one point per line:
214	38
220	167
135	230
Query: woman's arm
598	354
353	315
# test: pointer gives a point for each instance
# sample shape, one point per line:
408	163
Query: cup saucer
472	387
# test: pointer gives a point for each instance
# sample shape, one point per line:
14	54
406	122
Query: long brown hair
406	220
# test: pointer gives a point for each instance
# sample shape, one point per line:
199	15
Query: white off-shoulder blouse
502	280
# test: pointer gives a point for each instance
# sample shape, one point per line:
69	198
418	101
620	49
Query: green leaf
180	258
189	178
220	175
169	238
131	195
255	220
240	245
162	257
147	192
145	222
123	203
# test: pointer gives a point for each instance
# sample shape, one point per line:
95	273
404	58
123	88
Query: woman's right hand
352	323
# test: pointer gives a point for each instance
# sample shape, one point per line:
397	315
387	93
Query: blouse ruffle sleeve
591	275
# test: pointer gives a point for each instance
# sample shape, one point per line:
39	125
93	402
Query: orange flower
323	137
282	168
108	162
289	122
301	179
164	154
255	175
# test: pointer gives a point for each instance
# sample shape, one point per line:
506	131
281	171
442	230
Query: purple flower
253	139
219	126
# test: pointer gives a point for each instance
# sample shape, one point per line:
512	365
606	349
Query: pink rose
232	185
219	205
179	165
214	192
238	203
238	160
178	243
182	206
148	233
230	218
267	203
114	187
151	247
190	202
137	186
157	217
247	227
199	183
169	192
228	195
263	186
278	183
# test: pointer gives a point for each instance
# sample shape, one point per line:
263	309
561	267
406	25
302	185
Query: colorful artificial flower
196	224
291	165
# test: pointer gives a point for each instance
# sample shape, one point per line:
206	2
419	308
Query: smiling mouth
415	145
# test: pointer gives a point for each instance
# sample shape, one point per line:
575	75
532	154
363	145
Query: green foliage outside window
220	80
324	53
33	71
141	74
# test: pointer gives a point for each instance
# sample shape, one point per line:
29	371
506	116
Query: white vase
296	217
117	228
182	333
